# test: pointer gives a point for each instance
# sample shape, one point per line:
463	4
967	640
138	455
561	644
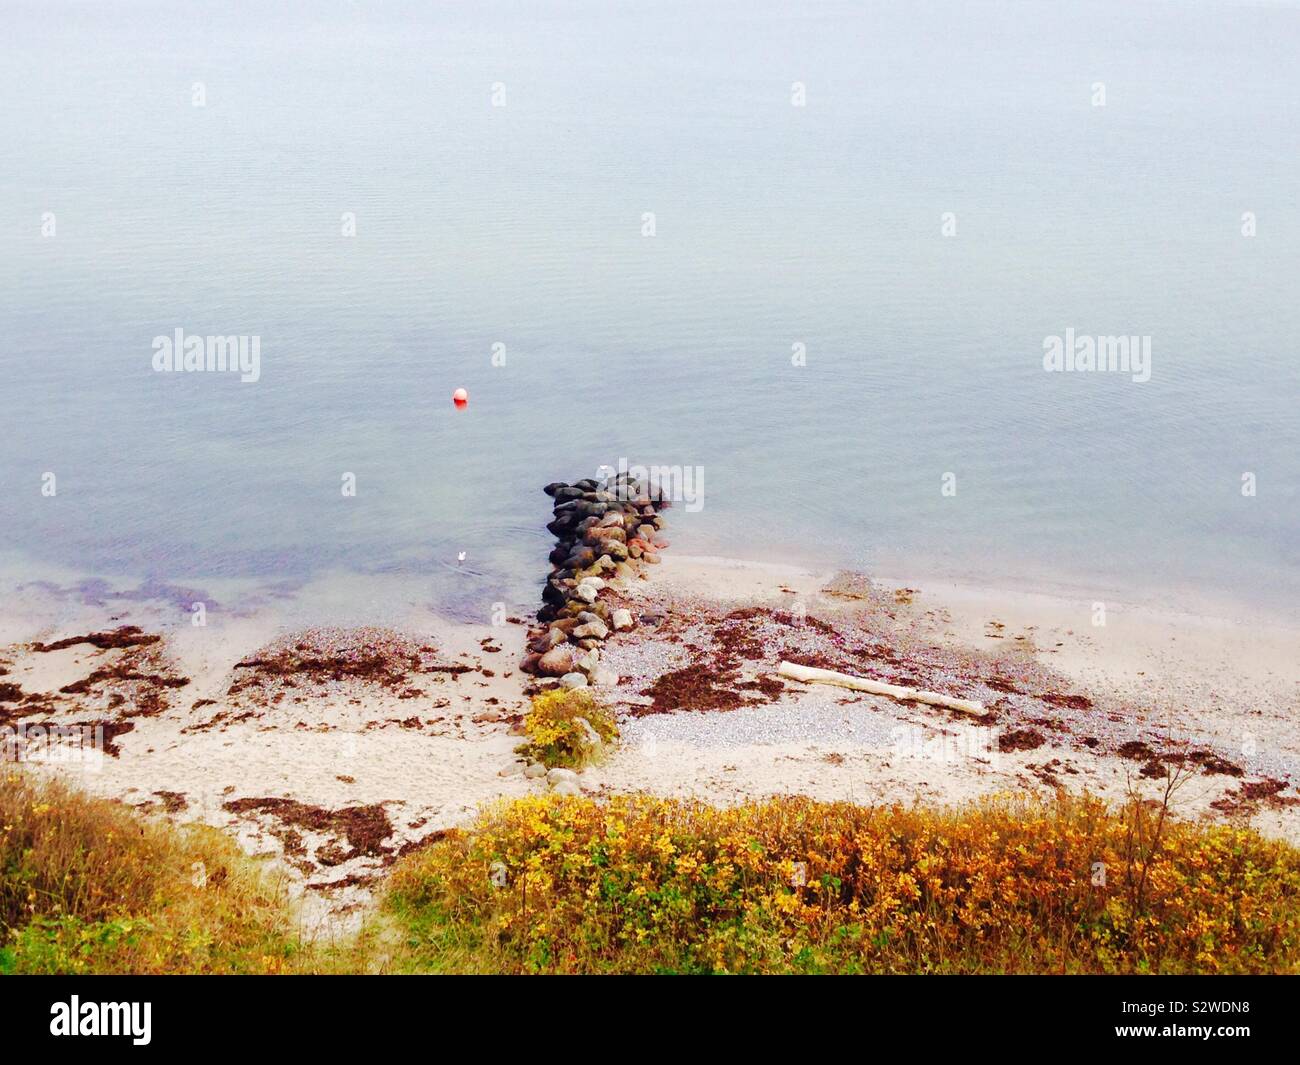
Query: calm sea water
775	225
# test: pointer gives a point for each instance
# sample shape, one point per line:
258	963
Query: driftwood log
809	675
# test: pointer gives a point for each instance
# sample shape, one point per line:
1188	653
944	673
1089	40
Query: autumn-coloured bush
88	885
639	884
567	728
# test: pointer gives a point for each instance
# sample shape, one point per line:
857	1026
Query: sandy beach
332	752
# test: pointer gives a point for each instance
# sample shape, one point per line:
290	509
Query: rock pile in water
607	532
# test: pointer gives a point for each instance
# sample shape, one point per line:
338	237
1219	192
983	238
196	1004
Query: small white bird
460	557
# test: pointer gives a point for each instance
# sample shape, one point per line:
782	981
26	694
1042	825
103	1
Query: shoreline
1036	608
329	596
357	744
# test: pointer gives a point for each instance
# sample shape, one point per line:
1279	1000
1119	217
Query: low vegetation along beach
625	778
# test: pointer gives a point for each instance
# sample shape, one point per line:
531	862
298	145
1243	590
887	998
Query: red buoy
461	398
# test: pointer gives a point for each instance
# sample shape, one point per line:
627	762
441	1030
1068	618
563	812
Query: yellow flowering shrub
567	728
640	884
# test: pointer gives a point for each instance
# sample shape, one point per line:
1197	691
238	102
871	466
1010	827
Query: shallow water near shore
775	226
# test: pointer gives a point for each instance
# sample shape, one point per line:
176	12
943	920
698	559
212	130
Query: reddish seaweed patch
1135	750
173	801
364	827
1071	702
1046	773
351	880
696	687
1209	762
1248	798
1020	739
1157	764
124	636
771	687
436	836
712	682
330	656
137	682
1268	788
106	733
122	673
366	666
223	718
